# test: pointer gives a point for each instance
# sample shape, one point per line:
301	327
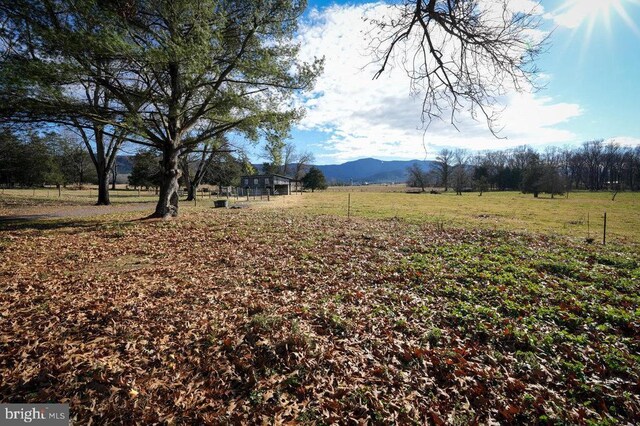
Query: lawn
13	198
280	314
20	201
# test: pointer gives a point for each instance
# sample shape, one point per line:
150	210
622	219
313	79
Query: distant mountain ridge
365	170
124	164
371	170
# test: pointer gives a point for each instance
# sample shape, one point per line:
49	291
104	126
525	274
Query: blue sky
590	70
598	70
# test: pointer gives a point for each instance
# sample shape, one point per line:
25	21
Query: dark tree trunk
186	175
114	175
103	189
191	193
103	185
101	159
168	199
193	182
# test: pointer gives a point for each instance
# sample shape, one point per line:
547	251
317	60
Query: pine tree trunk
103	187
168	199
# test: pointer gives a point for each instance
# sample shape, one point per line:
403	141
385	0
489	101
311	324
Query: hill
366	170
371	170
124	164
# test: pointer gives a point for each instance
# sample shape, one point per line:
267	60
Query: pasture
576	216
414	310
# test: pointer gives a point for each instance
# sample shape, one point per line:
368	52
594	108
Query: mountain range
366	170
371	170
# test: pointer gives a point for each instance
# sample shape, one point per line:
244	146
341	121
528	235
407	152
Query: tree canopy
314	179
171	74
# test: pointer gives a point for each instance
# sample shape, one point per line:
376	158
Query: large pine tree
170	74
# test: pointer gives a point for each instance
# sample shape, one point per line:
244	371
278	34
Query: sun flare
576	13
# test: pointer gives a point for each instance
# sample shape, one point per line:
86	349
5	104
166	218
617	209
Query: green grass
493	210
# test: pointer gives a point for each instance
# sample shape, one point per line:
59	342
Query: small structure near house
265	185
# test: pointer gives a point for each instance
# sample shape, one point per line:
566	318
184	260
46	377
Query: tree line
47	159
593	166
32	159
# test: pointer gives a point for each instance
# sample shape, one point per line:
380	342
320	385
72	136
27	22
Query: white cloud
363	117
574	13
625	141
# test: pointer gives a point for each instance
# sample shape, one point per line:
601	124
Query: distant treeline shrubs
594	166
48	159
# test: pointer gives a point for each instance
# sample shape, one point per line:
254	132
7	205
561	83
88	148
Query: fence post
604	229
349	207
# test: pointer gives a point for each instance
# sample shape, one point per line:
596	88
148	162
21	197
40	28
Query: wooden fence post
604	229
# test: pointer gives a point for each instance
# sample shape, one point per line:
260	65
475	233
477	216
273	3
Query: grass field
87	196
580	215
291	312
12	200
493	210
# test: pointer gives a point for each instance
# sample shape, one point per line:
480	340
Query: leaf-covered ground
259	316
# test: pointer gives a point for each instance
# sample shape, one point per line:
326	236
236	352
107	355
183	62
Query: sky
589	73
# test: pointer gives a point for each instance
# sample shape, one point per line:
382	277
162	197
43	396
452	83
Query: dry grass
579	215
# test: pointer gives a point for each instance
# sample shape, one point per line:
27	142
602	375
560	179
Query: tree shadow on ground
43	223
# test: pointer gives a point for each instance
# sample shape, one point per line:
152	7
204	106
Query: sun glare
576	13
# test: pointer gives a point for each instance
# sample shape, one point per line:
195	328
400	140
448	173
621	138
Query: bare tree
417	177
460	175
302	164
461	54
592	153
443	161
288	157
194	165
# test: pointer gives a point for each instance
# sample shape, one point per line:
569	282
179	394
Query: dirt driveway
53	212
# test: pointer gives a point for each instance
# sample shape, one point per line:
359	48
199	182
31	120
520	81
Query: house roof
263	176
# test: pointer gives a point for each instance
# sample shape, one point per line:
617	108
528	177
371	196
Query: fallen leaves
207	319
